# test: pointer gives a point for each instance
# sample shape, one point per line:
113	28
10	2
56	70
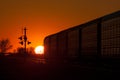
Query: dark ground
21	69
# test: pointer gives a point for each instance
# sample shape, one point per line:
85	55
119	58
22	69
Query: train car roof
103	18
112	15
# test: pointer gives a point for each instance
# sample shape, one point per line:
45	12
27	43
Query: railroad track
37	60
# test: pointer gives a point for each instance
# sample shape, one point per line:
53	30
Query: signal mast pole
25	39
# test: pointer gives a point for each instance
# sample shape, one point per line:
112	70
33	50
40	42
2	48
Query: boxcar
93	40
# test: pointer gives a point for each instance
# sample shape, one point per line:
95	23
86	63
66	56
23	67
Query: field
12	68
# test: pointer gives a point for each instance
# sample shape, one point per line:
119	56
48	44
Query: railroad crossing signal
23	39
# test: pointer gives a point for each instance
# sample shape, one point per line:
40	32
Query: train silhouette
91	41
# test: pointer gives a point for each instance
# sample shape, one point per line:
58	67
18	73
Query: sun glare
39	50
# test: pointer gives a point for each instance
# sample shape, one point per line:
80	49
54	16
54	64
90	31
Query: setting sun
39	50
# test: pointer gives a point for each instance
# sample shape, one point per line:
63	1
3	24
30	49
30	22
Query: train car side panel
111	37
62	45
73	43
46	47
53	47
89	41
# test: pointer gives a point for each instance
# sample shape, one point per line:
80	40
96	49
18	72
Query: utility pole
24	41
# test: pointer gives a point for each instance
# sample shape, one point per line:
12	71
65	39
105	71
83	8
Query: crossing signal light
21	42
20	38
29	42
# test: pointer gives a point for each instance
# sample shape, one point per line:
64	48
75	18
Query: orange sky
44	17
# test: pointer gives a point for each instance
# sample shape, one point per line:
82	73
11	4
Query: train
90	41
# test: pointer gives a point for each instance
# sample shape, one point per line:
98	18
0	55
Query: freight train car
99	38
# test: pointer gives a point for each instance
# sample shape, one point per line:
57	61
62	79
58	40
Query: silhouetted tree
20	50
30	50
5	45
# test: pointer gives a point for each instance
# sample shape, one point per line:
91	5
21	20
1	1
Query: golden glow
39	50
46	17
